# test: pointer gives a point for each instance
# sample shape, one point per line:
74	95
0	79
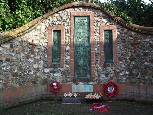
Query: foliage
15	13
138	10
5	16
116	9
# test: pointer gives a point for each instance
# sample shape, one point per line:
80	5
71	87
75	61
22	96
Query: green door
82	47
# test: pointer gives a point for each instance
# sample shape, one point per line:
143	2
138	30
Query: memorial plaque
82	47
82	88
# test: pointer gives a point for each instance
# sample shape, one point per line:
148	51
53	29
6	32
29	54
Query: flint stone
1	48
46	70
35	66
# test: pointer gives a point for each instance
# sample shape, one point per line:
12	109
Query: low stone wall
127	91
23	94
136	92
14	96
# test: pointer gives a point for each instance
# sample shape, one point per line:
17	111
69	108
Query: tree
138	11
15	13
5	16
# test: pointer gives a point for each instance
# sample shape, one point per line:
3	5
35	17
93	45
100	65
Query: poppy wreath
99	107
111	89
54	86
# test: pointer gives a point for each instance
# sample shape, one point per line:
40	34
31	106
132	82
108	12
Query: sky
146	1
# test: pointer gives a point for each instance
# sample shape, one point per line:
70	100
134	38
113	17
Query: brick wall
14	96
22	94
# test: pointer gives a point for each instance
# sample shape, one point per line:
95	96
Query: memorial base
71	100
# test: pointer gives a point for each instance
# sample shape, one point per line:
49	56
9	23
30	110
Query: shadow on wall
24	63
22	94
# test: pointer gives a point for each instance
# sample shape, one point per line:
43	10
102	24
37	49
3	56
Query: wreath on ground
111	89
99	107
55	86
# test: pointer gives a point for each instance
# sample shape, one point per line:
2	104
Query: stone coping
6	36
